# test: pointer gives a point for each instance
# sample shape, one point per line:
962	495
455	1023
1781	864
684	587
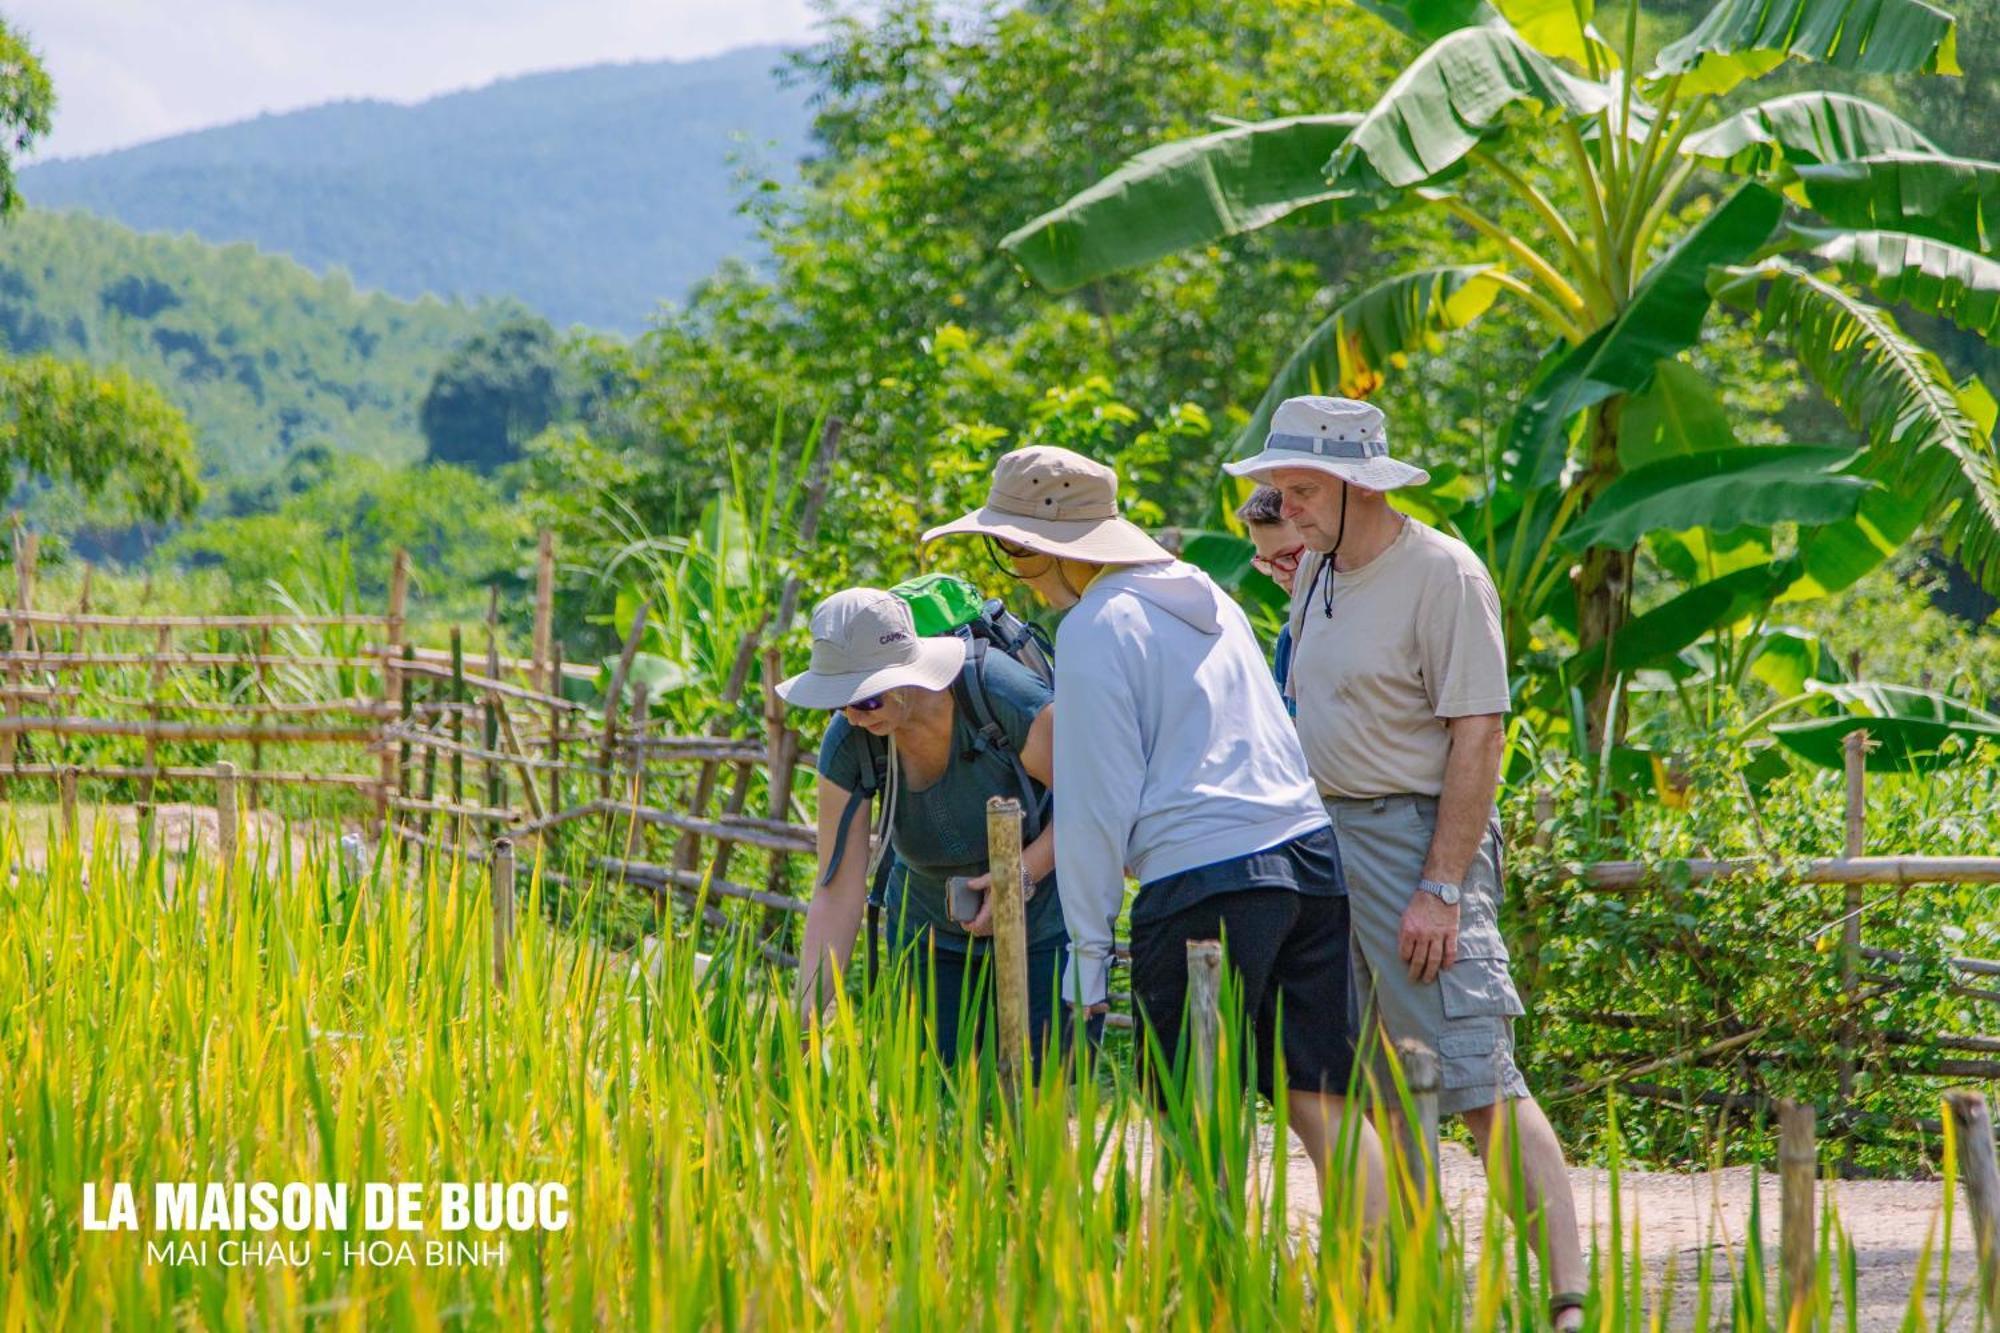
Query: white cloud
130	70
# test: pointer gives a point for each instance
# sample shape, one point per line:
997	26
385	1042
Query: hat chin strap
1325	567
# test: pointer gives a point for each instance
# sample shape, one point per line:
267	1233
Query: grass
287	1021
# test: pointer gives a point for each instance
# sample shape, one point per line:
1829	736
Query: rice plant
284	1018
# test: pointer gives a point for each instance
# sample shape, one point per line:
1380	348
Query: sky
126	71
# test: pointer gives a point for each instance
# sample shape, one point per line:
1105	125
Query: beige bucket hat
1340	436
1059	503
864	642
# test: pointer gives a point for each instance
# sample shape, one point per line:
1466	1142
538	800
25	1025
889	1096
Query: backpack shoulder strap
874	776
969	691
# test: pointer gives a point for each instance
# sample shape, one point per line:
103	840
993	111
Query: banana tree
1635	205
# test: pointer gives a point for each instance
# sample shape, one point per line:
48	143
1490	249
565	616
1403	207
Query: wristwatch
1445	893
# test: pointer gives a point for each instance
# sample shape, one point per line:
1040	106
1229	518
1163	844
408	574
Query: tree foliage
496	390
26	100
104	433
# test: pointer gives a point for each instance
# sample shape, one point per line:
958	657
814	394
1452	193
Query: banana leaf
1658	635
1922	441
1723	490
1811	127
1449	99
1182	194
1677	413
1932	276
1899	744
1373	332
1744	39
1950	199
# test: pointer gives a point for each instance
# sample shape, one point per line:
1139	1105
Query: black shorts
1288	950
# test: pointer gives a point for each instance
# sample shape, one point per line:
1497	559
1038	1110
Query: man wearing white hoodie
1176	762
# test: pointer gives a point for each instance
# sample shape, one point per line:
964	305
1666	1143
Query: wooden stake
689	851
457	716
66	784
162	641
541	676
615	696
1981	1178
556	720
1855	751
503	910
257	719
779	741
26	547
496	776
1204	965
1798	1167
1010	937
395	775
1419	1129
225	817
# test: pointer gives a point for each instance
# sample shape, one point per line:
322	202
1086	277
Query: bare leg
1318	1121
1546	1177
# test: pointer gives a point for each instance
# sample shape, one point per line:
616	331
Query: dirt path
1678	1215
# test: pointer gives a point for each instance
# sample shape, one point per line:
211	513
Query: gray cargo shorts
1467	1014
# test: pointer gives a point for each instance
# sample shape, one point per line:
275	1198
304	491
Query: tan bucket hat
1340	436
864	642
1059	503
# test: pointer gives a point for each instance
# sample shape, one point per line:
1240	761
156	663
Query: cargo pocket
1478	984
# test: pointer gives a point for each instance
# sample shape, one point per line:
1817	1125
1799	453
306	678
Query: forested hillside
589	194
263	356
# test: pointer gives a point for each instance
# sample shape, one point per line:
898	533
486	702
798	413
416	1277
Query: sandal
1561	1303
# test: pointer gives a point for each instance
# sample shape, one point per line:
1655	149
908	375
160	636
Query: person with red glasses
901	737
1279	550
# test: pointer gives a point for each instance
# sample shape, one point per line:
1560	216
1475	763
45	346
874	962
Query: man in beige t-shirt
1399	674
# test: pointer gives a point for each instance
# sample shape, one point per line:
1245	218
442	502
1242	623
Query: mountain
264	357
590	194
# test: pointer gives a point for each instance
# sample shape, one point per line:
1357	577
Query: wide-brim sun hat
1059	503
863	643
1342	437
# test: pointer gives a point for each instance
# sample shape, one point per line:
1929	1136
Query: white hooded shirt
1172	748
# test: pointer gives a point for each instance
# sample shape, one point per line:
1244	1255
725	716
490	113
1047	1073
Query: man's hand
1429	939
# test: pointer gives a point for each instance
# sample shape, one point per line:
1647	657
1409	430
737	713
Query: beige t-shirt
1414	638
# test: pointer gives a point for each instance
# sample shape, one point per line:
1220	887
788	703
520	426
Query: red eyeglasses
1284	562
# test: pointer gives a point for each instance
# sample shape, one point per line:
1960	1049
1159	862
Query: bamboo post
615	696
1855	752
26	549
162	643
779	741
1418	1130
1531	900
66	785
689	851
503	910
262	671
1798	1165
540	675
457	716
495	775
407	683
556	720
395	765
1010	936
225	817
636	775
1973	1128
1204	965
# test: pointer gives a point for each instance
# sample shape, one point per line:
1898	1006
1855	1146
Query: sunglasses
1284	562
868	705
1003	554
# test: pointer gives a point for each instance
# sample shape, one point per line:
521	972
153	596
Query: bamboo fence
455	755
